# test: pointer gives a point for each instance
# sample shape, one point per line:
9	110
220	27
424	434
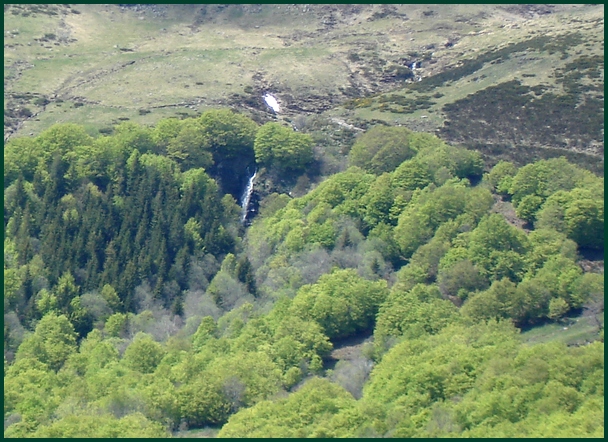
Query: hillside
140	300
98	65
409	242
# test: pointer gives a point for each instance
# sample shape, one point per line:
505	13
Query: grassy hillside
573	331
98	65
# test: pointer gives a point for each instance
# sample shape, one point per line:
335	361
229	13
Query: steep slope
101	64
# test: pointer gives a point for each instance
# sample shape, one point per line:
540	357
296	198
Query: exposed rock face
232	174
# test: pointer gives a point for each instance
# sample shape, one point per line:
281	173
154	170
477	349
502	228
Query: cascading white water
272	102
247	197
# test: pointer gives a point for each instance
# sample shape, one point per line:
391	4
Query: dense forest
138	304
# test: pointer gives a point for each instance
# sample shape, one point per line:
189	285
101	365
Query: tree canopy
280	147
408	295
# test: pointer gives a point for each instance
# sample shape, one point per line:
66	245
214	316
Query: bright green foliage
416	373
411	232
493	303
28	391
430	208
190	146
585	222
557	279
229	134
498	249
111	297
164	166
99	229
537	385
247	377
502	389
98	353
322	234
381	149
461	279
207	329
281	147
458	162
66	289
52	342
134	425
501	176
343	191
530	301
546	177
94	161
548	270
437	164
46	302
293	344
479	382
63	137
116	324
21	156
306	413
165	131
558	307
551	215
377	202
412	174
414	313
196	183
144	354
578	213
203	402
546	243
296	340
422	141
342	303
561	275
160	397
131	136
588	288
290	340
528	206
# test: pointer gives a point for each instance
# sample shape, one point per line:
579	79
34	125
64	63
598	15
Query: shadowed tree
381	149
281	148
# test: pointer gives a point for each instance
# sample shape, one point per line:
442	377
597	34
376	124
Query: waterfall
247	197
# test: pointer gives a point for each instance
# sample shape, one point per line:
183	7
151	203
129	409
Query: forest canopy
137	303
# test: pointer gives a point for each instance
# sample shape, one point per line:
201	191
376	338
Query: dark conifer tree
244	273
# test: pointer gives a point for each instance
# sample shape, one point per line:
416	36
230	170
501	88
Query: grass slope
101	64
572	331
